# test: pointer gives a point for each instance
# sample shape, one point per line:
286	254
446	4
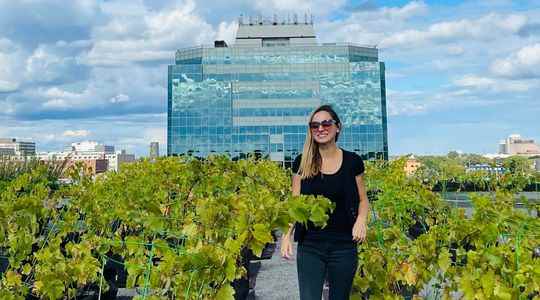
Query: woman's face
326	131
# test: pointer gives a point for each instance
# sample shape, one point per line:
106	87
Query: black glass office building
257	95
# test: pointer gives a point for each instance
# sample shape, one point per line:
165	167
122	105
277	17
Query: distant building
89	151
92	166
154	150
411	165
516	145
536	163
121	158
89	146
12	147
485	167
496	156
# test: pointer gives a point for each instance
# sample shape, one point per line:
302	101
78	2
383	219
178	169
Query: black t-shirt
335	187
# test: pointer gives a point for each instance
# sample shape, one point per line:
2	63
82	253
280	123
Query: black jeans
317	258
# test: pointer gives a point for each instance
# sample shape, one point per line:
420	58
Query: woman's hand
359	230
286	246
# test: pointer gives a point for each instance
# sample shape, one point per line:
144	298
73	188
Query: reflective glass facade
258	99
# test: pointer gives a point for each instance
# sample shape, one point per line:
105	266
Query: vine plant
177	225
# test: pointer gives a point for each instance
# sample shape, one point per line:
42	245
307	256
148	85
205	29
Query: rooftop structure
90	146
516	145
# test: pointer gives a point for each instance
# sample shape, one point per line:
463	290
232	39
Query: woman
324	169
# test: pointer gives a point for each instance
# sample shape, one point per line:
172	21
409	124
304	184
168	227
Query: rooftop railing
293	45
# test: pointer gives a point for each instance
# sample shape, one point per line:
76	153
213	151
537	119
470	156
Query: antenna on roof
241	19
275	20
288	18
311	19
305	18
295	18
250	20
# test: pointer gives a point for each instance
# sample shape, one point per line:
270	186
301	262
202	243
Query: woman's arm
360	226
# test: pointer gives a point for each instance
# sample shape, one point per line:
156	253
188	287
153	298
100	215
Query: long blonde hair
310	164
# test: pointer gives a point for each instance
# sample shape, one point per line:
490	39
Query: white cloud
119	98
56	63
474	81
143	91
57	104
4	132
11	56
411	9
76	133
227	31
41	66
318	7
172	27
455	50
156	134
406	103
58	99
492	84
7	45
488	27
405	109
525	63
370	27
146	35
8	86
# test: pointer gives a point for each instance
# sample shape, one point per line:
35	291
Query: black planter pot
417	229
114	273
244	288
4	264
453	252
241	286
267	253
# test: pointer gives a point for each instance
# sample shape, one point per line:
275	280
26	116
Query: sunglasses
325	124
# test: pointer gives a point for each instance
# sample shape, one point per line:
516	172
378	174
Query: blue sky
460	74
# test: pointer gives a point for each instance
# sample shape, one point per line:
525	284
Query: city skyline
461	75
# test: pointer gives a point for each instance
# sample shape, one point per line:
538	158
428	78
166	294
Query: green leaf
257	248
444	260
318	216
26	269
299	214
488	281
502	293
230	270
13	279
494	260
262	233
226	292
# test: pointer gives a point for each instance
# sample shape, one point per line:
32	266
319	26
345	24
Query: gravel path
277	278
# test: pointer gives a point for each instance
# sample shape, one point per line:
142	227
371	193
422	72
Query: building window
275	42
